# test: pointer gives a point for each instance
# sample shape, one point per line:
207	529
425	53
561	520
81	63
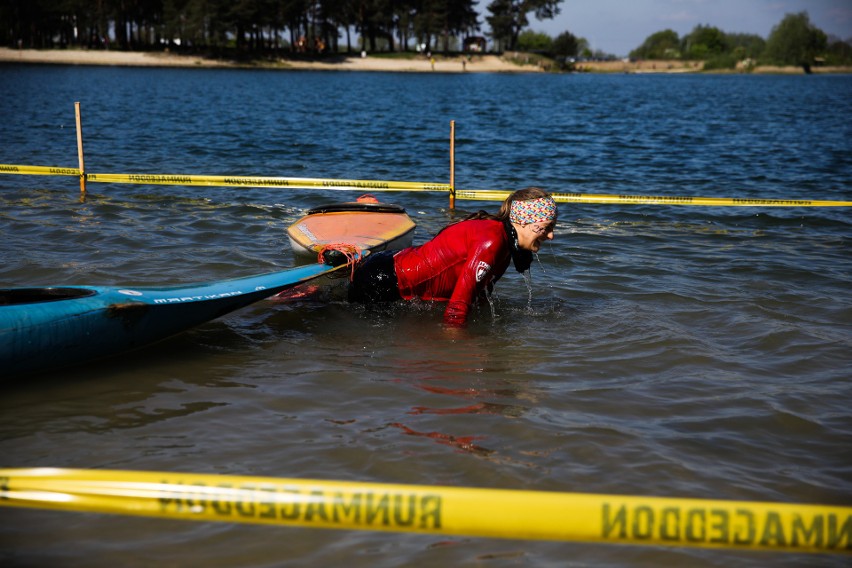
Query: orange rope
351	252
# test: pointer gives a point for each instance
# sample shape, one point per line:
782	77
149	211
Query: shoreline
487	63
453	64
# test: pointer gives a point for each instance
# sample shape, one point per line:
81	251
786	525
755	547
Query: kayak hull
53	327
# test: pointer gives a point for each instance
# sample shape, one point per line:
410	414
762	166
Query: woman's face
531	235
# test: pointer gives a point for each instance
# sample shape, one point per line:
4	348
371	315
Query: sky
619	26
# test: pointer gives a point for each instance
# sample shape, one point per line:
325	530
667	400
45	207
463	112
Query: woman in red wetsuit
463	260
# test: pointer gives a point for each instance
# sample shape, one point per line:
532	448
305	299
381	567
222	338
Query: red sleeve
484	264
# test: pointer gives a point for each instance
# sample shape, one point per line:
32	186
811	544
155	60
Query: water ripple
678	351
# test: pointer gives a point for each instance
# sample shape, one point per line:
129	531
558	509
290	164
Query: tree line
794	41
258	26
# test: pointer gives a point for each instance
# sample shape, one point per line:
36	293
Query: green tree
584	48
746	46
462	18
254	26
529	40
795	41
839	53
659	45
442	19
340	14
502	22
704	42
509	18
566	44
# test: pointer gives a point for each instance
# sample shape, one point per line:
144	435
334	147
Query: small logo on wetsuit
482	270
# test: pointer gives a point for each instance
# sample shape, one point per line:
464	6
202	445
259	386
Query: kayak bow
44	328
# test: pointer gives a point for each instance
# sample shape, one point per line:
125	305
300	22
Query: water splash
528	281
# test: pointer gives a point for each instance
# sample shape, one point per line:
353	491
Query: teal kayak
53	327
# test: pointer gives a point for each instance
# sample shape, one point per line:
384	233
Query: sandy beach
488	63
458	64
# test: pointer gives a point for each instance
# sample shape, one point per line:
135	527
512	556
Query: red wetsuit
456	266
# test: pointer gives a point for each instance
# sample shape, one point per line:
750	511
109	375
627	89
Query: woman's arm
475	275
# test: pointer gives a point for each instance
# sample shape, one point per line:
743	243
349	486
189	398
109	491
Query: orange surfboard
366	224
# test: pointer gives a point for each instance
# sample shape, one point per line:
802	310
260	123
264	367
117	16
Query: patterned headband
533	211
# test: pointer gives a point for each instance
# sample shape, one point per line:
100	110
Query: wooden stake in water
80	150
452	164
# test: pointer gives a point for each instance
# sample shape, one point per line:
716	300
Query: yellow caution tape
230	181
500	195
377	185
435	510
263	181
38	170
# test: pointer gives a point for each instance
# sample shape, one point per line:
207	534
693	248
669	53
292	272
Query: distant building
477	44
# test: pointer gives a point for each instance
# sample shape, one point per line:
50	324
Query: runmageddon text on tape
612	199
228	181
436	510
378	185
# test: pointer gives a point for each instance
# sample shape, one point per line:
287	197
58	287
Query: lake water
659	350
